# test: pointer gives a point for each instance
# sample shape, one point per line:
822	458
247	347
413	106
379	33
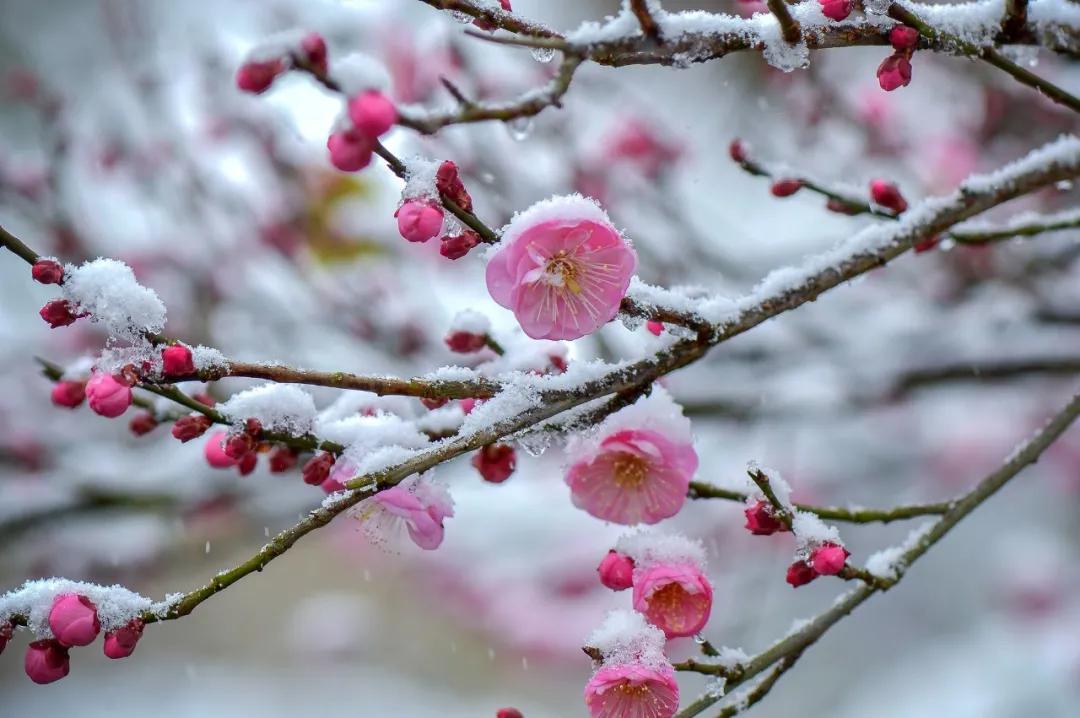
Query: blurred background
122	134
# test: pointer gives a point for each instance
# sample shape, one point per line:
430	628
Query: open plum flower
640	470
562	268
420	506
635	679
675	597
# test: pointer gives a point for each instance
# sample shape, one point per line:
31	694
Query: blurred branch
494	16
795	643
984	371
87	501
789	26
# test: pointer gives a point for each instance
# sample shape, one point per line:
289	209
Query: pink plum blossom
635	476
73	620
421	506
108	396
676	597
563	277
632	690
46	661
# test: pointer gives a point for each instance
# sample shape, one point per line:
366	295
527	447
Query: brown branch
1015	21
789	26
641	11
494	16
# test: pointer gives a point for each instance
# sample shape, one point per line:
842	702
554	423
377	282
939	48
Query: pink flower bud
760	520
432	404
58	313
616	571
488	27
47	271
894	72
349	152
785	187
419	221
176	360
836	9
903	38
142	423
191	427
258	76
73	620
214	451
68	393
655	328
465	342
459	245
313	46
508	712
495	462
282	459
6	631
46	661
237	446
108	396
317	468
248	463
829	558
737	150
800	573
121	642
372	114
888	196
449	184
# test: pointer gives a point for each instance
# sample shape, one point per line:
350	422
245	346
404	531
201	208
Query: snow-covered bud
829	558
558	363
176	360
760	520
449	184
349	151
433	403
73	620
108	396
495	462
68	393
58	313
46	661
313	47
142	423
465	342
616	571
248	463
488	27
372	114
836	9
785	187
282	459
47	271
459	245
258	76
215	452
655	328
800	573
737	150
121	642
887	195
903	38
507	712
317	468
190	427
6	631
237	446
467	405
894	72
419	220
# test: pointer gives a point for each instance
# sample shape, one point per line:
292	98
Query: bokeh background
122	134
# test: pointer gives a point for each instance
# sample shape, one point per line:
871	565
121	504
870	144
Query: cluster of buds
825	559
238	448
895	70
73	620
452	189
371	115
190	427
57	312
257	76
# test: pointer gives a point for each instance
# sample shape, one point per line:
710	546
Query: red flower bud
176	360
760	520
840	207
120	643
237	446
282	459
925	245
508	712
785	187
459	245
800	573
58	313
190	427
317	468
495	462
836	9
142	423
829	558
903	38
894	72
47	271
248	463
433	403
616	571
465	342
69	394
448	182
258	76
888	196
313	46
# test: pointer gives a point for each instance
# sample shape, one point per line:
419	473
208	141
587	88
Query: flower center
630	471
561	270
670	603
